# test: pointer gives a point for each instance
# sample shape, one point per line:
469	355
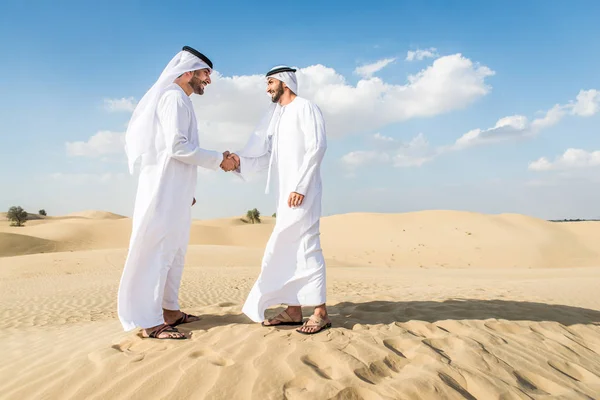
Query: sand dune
94	214
421	239
427	305
459	240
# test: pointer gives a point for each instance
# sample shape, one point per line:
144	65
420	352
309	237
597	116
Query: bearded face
275	89
199	81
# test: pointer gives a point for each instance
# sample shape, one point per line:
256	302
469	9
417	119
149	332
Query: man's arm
315	141
174	116
252	165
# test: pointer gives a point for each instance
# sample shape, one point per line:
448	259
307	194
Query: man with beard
163	135
290	143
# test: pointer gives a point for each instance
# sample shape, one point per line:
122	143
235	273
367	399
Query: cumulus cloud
414	153
124	104
514	127
421	54
571	159
358	158
232	106
518	126
587	103
367	71
100	144
381	138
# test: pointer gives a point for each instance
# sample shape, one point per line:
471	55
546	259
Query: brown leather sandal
284	319
317	322
184	319
165	328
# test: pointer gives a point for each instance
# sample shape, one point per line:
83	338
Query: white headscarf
142	128
258	142
287	77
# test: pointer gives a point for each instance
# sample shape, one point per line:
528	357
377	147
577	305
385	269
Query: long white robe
293	266
162	214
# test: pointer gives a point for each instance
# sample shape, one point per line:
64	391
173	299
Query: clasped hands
231	161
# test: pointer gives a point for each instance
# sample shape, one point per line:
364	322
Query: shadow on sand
348	314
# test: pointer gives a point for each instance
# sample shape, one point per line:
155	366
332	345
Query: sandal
184	319
284	319
164	328
317	322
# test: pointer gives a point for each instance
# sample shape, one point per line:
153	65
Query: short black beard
196	85
278	93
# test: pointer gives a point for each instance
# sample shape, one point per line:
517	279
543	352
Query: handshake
231	162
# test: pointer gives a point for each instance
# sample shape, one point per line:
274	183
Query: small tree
42	212
253	216
274	215
16	215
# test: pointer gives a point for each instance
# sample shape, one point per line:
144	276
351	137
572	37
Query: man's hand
194	201
295	199
230	162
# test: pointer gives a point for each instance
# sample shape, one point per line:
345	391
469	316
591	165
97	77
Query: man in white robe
290	143
163	134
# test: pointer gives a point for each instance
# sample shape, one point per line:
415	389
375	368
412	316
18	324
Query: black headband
199	55
280	69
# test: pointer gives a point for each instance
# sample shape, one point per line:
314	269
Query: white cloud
415	153
232	106
124	104
506	128
367	71
358	158
102	143
379	137
421	54
514	127
412	154
587	104
571	159
518	126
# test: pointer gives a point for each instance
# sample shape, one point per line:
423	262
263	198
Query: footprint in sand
212	358
540	385
99	356
374	373
320	365
396	344
575	372
448	380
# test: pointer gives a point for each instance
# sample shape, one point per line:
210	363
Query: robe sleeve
174	116
254	165
315	142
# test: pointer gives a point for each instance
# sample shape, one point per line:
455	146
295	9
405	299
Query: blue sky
71	73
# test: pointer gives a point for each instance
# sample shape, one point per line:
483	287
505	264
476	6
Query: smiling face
275	89
199	80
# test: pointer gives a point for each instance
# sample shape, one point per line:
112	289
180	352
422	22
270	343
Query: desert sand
424	305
